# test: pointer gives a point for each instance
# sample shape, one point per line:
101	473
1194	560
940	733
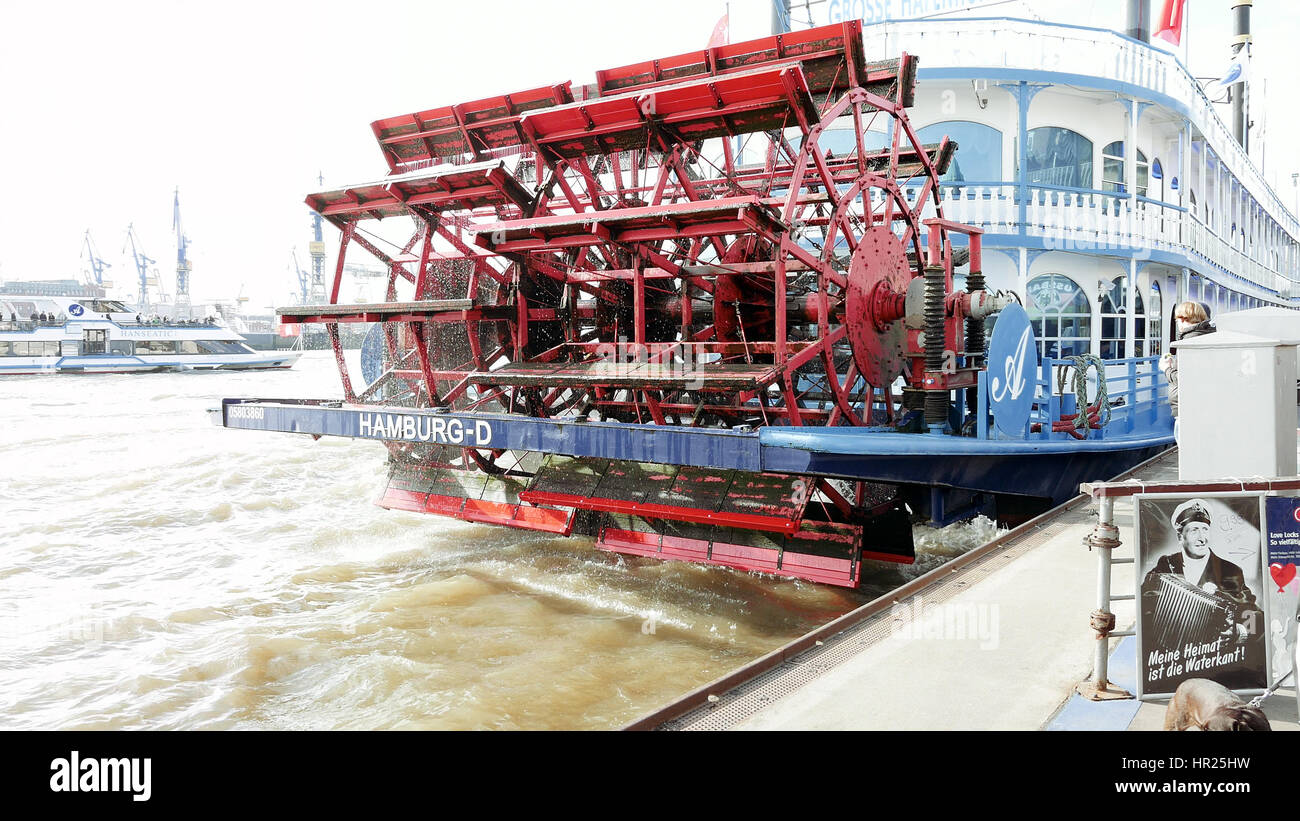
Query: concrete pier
997	640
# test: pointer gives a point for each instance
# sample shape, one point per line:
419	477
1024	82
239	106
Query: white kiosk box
1271	322
1236	406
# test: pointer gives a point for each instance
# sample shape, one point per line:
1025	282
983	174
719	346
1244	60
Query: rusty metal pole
1105	538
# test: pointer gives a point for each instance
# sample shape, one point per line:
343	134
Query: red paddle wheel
744	236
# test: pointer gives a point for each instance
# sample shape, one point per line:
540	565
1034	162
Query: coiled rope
1097	412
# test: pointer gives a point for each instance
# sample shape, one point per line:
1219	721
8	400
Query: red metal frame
613	271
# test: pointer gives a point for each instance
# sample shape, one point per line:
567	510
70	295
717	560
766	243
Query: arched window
1112	169
1114	322
841	141
1058	156
979	150
1155	307
1061	315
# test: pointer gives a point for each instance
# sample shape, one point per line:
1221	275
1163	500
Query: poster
1200	592
1283	582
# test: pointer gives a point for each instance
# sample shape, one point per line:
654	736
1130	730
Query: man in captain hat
1199	565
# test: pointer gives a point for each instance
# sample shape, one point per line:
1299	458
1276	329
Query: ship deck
1035	587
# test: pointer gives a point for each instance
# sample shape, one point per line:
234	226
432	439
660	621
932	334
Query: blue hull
1050	469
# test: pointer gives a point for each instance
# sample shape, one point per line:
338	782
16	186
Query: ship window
122	347
979	150
1057	304
94	341
5	349
1114	322
153	347
1112	169
1058	156
841	141
35	349
188	346
219	346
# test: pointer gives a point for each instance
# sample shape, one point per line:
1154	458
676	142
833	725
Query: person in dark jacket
1192	320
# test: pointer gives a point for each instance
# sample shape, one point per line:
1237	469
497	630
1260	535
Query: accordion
1186	613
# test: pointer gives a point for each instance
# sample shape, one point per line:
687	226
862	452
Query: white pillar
1022	272
1130	185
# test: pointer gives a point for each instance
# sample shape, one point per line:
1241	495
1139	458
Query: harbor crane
317	251
304	279
182	259
97	264
142	263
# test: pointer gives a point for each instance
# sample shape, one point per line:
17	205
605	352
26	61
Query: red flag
1170	25
721	36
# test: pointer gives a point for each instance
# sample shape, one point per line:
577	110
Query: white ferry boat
1107	184
41	334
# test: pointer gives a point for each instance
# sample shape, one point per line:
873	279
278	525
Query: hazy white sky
106	107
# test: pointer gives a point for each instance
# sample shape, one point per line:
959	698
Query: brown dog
1201	704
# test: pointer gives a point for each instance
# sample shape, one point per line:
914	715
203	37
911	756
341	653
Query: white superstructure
1102	241
65	334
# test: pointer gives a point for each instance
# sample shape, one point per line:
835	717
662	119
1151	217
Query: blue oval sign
1012	370
75	309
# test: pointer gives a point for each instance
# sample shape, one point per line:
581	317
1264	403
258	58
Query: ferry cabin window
979	150
153	347
1112	169
208	346
1058	156
1061	315
94	341
104	306
29	348
121	347
223	346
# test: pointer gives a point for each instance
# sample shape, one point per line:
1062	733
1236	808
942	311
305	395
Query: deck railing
1071	219
1076	50
1137	394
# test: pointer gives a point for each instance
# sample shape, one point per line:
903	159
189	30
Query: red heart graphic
1282	574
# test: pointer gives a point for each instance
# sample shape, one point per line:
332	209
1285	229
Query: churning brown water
158	572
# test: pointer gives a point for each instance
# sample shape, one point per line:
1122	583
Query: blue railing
1137	394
